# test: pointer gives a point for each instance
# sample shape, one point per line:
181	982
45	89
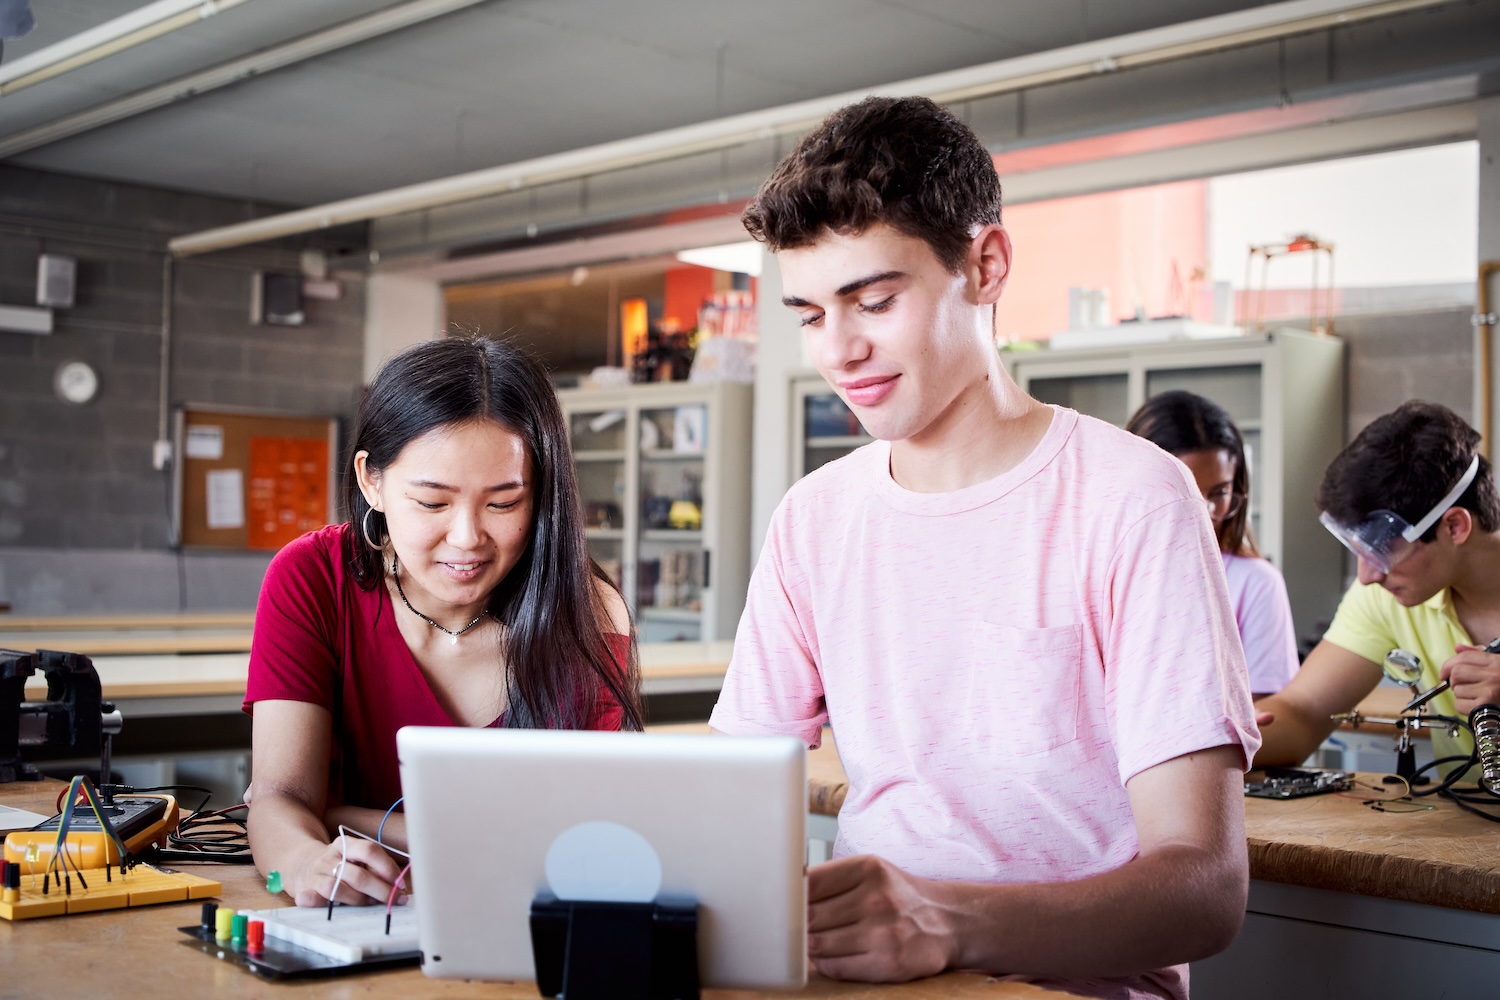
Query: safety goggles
1384	538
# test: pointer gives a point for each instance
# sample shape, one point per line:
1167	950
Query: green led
273	882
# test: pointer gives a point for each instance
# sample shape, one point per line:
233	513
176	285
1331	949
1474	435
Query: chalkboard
248	479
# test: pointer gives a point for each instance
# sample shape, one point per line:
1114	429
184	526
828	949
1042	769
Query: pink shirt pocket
1024	686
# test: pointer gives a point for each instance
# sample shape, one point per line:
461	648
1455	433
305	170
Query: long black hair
557	662
1179	422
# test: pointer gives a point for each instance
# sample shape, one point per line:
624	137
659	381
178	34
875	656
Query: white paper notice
226	499
204	442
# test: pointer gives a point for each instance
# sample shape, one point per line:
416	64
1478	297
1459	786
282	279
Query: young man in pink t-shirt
1013	616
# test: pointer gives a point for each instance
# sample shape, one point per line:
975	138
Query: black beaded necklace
450	633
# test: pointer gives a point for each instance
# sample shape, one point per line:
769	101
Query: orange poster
288	490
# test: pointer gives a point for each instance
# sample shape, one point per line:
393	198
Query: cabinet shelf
628	468
841	441
668	455
683	615
671	535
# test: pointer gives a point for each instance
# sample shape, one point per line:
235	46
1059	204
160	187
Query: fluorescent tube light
235	71
141	25
1073	62
741	258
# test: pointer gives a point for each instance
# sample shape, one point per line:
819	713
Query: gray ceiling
505	80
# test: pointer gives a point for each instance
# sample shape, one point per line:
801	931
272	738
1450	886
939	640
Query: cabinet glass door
1237	388
1104	396
598	439
831	430
672	569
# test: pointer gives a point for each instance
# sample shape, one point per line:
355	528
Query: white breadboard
355	934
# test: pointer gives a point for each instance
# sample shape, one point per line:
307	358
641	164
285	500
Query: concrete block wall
1419	355
85	522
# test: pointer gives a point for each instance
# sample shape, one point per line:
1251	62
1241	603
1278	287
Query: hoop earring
364	529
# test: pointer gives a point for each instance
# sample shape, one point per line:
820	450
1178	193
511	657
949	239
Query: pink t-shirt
998	661
1257	593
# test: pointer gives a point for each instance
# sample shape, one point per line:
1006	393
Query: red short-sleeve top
321	638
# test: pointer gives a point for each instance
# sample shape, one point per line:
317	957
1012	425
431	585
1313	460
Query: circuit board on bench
143	886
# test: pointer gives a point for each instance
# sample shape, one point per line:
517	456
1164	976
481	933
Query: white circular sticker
603	862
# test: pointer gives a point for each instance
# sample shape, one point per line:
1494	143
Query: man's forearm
1292	736
1178	905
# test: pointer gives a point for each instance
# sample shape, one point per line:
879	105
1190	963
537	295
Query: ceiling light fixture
128	30
1073	62
318	43
740	258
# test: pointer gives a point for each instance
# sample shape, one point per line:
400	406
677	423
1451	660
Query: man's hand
870	921
1475	676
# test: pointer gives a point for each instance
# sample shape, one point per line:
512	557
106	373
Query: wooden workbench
138	951
205	664
1442	857
1346	903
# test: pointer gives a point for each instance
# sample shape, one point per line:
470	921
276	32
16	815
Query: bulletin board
250	479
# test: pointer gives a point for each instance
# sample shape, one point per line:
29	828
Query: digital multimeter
141	820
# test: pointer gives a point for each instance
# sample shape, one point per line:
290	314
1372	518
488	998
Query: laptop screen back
497	817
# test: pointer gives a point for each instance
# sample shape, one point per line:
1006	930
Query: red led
255	936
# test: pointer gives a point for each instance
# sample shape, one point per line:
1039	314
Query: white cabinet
664	476
1285	390
823	428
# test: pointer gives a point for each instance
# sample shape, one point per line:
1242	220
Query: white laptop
497	817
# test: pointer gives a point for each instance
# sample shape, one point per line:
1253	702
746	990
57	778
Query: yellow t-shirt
1371	623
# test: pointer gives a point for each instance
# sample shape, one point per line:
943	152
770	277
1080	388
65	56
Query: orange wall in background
1125	241
687	287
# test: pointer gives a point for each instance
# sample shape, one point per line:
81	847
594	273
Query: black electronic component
632	951
74	721
1296	782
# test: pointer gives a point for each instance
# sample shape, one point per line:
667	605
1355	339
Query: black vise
68	724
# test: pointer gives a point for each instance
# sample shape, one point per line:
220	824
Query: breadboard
303	941
354	934
143	886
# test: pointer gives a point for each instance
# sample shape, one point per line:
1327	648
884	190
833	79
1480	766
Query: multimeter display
138	819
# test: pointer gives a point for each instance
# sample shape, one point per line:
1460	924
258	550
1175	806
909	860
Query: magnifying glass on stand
1405	667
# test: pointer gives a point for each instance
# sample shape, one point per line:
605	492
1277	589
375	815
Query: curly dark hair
905	162
1405	462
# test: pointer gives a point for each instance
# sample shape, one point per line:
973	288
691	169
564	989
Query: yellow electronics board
99	889
139	820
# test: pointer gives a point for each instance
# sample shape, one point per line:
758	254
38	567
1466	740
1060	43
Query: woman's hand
367	877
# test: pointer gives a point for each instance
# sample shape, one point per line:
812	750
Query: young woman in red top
459	592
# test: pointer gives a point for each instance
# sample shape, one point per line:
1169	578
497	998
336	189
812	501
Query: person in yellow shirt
1416	503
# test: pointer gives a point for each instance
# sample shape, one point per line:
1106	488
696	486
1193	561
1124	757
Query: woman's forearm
368	822
285	836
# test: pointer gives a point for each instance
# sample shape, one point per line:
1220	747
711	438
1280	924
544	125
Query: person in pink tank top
1200	434
1013	616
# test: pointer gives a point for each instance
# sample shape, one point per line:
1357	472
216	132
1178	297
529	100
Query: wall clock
75	382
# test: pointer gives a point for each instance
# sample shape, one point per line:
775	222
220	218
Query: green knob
273	882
